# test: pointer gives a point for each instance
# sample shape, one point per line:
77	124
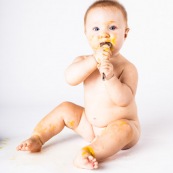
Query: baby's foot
32	144
85	160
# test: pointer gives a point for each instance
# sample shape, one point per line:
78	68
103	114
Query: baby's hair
107	3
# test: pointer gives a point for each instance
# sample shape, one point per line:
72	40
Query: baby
109	118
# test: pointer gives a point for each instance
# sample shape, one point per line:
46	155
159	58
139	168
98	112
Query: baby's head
106	21
110	4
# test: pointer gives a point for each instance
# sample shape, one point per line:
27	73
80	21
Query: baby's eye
113	27
96	28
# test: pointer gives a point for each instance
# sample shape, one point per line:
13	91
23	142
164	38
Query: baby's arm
122	90
80	69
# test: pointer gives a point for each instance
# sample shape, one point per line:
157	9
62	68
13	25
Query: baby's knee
70	113
64	108
121	126
126	129
64	105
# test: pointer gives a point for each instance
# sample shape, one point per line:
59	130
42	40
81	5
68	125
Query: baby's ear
126	32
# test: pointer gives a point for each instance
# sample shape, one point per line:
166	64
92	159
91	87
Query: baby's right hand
102	53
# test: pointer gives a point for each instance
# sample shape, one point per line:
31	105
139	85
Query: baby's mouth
106	43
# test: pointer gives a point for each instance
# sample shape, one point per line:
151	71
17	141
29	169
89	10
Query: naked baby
108	119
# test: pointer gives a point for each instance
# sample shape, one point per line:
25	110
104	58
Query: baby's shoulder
125	68
126	64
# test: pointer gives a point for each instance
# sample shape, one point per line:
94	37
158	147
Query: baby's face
105	25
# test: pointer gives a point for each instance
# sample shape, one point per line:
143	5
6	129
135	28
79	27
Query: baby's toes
25	146
86	163
21	146
91	158
93	161
95	165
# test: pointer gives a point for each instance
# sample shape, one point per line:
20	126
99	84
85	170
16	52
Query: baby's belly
100	116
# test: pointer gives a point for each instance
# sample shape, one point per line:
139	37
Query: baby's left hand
107	68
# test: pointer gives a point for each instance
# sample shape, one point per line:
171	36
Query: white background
40	38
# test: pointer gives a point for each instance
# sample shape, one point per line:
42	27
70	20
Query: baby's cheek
93	40
113	40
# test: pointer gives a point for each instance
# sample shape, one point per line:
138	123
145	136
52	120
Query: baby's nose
104	35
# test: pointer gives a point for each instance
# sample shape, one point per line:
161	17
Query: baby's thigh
85	129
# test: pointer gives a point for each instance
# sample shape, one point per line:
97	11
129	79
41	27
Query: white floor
153	153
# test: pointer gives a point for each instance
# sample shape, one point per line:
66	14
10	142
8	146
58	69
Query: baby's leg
66	114
85	159
121	134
